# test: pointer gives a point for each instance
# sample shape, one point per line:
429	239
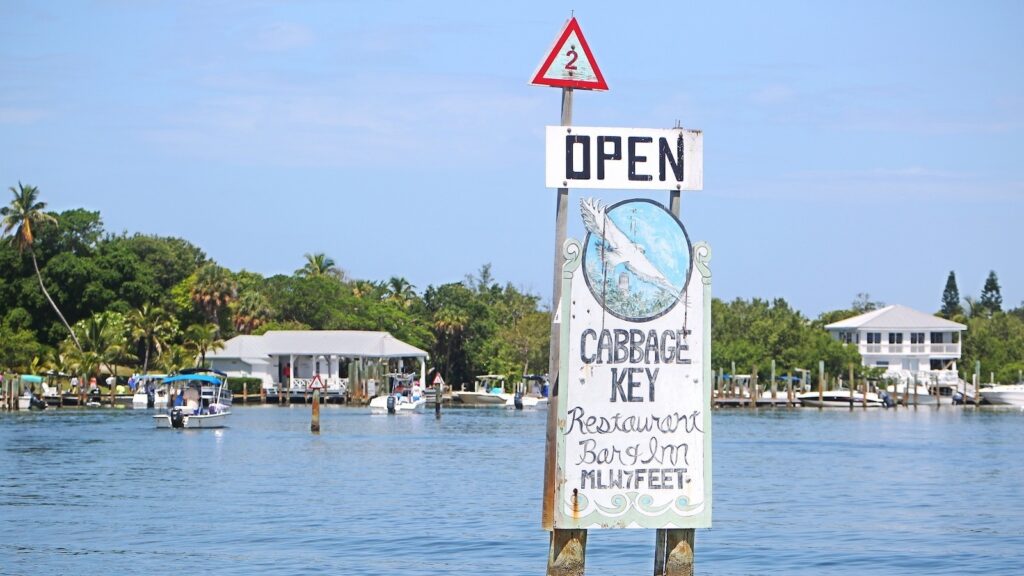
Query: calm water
796	492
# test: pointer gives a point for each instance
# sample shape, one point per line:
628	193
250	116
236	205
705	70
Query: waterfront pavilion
294	357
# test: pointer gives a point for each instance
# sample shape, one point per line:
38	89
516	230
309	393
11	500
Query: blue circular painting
636	257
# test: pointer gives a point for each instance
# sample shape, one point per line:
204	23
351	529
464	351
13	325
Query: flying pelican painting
617	248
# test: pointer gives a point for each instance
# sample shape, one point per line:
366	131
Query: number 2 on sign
571	64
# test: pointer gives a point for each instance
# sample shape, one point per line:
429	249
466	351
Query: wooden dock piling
567	553
673	553
314	426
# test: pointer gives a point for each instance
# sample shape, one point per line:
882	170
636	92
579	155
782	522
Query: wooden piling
314	426
914	382
567	552
437	400
864	394
851	386
752	387
673	553
775	386
789	392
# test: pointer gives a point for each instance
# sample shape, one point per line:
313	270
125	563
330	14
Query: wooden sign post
629	429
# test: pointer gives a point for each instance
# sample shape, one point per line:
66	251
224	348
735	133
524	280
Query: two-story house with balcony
909	344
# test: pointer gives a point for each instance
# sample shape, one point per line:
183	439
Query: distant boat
1006	394
406	395
150	391
840	398
203	402
488	391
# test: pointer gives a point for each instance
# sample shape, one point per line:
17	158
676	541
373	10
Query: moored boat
841	398
150	391
1006	394
201	401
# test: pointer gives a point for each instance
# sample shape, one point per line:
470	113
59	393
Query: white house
297	355
908	343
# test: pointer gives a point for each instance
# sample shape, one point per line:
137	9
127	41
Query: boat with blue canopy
199	400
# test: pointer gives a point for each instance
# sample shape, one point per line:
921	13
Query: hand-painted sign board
570	63
633	443
624	158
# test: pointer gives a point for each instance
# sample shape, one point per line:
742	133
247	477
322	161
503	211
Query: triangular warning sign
570	63
438	379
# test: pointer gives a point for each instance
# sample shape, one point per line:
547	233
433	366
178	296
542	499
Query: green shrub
236	385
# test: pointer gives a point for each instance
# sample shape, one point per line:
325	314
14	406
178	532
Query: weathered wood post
314	426
790	396
753	388
851	386
915	391
821	382
864	394
437	403
774	386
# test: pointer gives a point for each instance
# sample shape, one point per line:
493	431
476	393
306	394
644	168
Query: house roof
896	317
345	343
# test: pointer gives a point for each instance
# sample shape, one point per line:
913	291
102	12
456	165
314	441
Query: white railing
910	349
339	385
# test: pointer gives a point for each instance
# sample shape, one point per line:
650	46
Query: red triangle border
540	80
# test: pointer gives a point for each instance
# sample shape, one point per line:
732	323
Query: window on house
895	338
874	337
936	337
917	337
882	363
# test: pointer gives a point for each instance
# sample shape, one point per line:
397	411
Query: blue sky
848	147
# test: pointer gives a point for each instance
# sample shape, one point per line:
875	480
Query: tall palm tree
203	338
149	325
25	212
251	311
104	337
176	357
400	291
320	264
213	290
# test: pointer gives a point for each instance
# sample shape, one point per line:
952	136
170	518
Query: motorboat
150	391
840	398
911	394
1005	394
201	400
405	395
29	400
488	391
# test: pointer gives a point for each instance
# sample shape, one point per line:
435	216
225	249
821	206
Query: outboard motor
150	398
177	418
391	404
958	398
519	400
37	403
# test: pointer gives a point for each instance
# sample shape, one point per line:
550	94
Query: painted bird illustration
618	248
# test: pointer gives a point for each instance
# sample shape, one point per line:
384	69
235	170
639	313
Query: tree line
76	298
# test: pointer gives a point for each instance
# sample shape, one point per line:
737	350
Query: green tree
251	311
149	325
24	212
203	338
213	291
991	299
104	335
320	264
951	298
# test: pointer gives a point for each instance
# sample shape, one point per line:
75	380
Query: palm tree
213	290
320	264
149	324
104	337
25	212
251	311
400	291
176	357
203	338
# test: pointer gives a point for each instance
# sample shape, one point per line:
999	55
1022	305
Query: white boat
29	400
1006	394
202	401
839	399
405	395
150	392
488	391
396	404
907	392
